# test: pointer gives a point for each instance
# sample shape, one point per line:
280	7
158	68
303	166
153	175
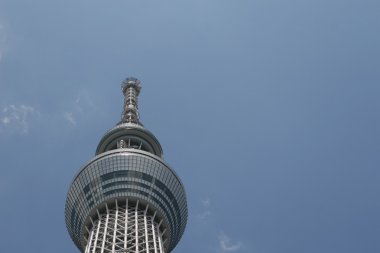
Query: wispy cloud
16	118
70	118
206	202
81	105
206	209
226	244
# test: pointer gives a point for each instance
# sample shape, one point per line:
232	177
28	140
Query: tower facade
126	199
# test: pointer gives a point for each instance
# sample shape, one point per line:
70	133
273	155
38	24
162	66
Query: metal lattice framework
125	228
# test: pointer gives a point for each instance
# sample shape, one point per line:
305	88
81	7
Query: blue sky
269	111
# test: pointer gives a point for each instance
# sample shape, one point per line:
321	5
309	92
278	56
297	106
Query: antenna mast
131	89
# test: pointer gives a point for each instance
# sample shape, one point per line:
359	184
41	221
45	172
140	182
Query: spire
131	89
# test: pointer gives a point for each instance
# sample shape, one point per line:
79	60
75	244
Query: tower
126	199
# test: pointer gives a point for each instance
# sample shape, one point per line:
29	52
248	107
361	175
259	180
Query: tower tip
131	82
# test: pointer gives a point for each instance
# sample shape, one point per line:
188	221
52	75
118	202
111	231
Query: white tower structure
126	199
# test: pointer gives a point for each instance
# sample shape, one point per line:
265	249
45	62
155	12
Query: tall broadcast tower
126	199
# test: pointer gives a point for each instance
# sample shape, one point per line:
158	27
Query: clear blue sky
269	111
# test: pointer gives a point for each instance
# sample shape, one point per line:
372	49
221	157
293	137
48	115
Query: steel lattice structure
126	199
125	228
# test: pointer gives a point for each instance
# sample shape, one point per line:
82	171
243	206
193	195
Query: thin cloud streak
204	215
206	206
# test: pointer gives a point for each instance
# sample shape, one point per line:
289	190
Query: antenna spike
131	89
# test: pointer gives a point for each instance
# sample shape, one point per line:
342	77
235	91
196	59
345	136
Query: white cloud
226	245
70	118
16	118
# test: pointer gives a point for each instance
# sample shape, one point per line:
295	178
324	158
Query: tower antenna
131	89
